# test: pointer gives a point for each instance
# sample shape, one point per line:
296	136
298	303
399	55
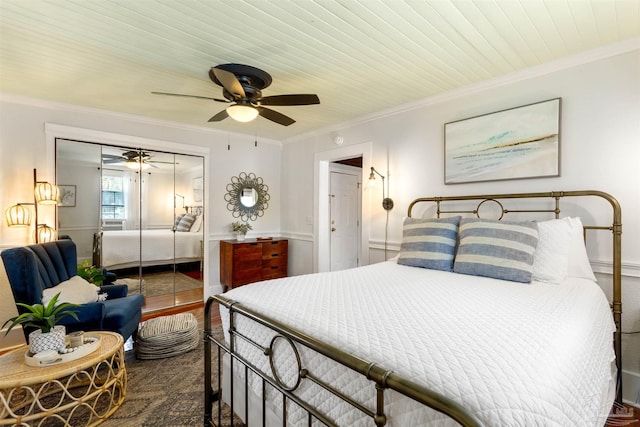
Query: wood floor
168	301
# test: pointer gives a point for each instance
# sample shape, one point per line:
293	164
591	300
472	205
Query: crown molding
52	105
565	63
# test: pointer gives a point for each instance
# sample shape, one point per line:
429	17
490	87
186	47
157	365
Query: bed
406	342
117	249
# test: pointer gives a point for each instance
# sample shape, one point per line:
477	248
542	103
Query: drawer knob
274	255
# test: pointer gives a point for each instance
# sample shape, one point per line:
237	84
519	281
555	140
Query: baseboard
631	388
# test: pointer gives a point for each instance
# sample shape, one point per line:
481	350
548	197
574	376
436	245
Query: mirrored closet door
138	213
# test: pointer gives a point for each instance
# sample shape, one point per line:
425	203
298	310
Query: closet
138	213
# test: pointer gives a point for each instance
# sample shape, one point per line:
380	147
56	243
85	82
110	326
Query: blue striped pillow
499	249
429	243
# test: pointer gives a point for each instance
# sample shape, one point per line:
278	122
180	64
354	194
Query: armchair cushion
114	291
89	318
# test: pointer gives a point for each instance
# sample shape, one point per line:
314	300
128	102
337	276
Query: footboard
381	379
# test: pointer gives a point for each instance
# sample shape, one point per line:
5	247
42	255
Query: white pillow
75	290
579	265
195	228
551	258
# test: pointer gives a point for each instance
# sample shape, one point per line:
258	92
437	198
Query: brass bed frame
378	375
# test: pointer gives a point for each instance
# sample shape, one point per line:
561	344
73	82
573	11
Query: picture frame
516	143
67	196
197	189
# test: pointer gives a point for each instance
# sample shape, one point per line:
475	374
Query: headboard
473	205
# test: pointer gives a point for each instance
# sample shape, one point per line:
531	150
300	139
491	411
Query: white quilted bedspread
513	354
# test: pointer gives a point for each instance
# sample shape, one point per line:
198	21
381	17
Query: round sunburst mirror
247	196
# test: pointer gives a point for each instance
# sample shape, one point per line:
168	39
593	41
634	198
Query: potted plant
240	228
91	273
48	335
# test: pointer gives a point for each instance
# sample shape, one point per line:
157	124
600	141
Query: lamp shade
46	234
47	194
242	113
18	216
135	164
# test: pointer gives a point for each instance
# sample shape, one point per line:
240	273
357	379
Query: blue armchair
31	269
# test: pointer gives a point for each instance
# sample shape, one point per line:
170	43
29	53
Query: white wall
23	147
600	150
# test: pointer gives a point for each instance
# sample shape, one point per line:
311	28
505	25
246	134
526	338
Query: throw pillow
499	249
551	257
178	218
186	222
76	290
429	243
579	265
197	224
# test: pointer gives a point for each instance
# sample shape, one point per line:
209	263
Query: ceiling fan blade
113	161
191	96
274	116
220	116
229	82
282	100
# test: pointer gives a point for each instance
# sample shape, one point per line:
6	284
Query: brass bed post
616	304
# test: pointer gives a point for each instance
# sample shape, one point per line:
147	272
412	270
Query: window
113	197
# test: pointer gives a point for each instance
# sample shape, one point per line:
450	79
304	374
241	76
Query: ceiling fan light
136	165
242	113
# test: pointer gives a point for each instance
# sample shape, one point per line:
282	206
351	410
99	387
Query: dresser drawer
248	250
249	275
274	268
274	249
252	261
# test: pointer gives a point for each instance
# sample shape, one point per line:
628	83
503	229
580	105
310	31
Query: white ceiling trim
609	51
41	103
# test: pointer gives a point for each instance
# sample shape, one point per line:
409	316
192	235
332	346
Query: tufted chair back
39	267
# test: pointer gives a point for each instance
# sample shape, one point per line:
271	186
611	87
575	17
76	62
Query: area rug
160	283
166	392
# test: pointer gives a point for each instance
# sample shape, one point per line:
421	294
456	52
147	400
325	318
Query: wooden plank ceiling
360	57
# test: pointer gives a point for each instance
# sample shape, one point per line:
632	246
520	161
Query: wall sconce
175	201
18	215
387	203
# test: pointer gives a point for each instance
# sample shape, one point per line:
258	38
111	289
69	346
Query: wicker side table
84	391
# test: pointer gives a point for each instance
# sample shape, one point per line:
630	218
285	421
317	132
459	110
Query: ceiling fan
133	160
242	86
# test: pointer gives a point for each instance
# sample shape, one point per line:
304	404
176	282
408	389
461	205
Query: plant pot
54	340
240	237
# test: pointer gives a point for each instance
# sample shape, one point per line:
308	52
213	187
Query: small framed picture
197	189
67	195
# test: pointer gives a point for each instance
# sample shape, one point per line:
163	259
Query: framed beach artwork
518	143
67	195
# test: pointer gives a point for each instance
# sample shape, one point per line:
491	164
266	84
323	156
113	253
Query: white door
345	220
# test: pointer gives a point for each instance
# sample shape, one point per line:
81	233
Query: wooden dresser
251	261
